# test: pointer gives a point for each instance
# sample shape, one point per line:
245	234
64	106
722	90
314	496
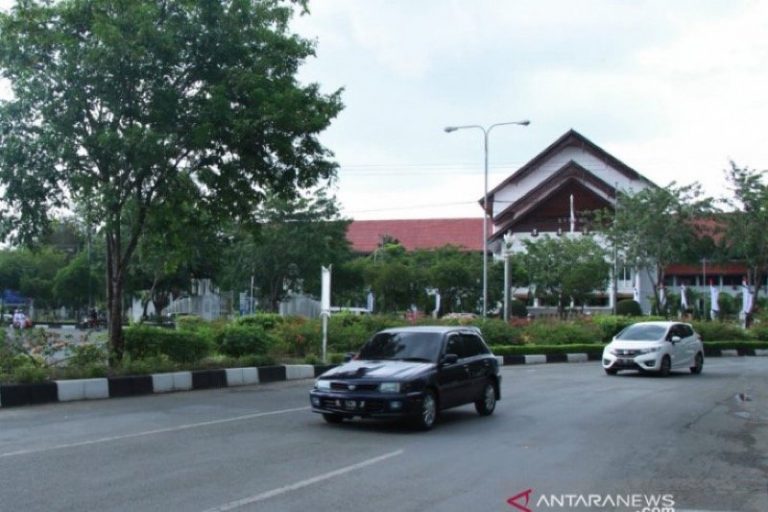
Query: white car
658	347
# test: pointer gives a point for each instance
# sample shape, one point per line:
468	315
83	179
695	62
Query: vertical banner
325	305
714	296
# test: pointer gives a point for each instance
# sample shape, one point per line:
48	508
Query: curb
13	395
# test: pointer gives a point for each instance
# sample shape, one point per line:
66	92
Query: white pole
325	305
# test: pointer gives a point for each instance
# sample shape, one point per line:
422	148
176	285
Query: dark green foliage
565	268
628	307
142	342
720	331
611	325
528	349
267	321
242	340
548	332
130	107
760	332
518	309
498	332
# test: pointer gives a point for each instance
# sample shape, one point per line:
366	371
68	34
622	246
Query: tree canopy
120	105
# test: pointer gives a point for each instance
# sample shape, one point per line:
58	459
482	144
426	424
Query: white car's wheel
666	366
698	364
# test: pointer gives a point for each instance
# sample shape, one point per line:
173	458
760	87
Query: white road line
151	432
304	483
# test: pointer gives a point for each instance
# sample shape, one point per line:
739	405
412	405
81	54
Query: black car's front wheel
425	420
487	403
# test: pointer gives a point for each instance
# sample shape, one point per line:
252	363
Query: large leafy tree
565	268
745	225
285	248
656	227
116	103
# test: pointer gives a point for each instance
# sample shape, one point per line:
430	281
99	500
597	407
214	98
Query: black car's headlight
322	384
390	387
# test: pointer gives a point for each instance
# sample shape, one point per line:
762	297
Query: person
93	318
19	319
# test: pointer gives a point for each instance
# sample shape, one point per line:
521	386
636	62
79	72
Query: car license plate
626	361
354	404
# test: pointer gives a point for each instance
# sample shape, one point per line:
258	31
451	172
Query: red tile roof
365	235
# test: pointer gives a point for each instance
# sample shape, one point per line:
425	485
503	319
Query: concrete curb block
577	358
82	389
729	353
299	371
535	359
761	352
242	376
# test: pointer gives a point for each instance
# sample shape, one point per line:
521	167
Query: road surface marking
151	432
304	483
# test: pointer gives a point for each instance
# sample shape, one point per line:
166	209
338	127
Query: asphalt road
562	432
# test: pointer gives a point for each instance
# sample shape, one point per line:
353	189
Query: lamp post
486	131
509	240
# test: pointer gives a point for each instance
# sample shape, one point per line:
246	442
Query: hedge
529	349
237	340
143	342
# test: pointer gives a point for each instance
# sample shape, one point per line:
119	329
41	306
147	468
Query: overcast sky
675	89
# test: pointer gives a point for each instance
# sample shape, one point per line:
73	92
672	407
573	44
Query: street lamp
486	131
509	240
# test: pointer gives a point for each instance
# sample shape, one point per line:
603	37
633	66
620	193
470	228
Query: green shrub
347	333
83	356
266	321
29	374
189	323
255	360
548	332
611	325
720	331
184	347
736	345
528	349
299	337
142	342
238	340
628	307
759	332
498	332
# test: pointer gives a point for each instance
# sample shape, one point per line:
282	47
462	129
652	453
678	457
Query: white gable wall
514	191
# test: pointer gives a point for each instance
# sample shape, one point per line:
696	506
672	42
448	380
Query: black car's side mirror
449	359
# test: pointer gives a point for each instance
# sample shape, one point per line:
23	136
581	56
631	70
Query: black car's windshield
409	346
642	332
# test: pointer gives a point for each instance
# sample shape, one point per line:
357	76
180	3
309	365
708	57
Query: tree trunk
115	297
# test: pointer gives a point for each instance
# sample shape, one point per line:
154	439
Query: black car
411	372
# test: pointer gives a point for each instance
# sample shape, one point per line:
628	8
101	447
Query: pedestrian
19	319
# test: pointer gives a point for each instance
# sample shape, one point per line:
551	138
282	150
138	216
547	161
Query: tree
655	227
745	233
284	250
566	268
120	104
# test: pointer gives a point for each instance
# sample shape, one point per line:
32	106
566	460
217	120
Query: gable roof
569	138
365	235
571	172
